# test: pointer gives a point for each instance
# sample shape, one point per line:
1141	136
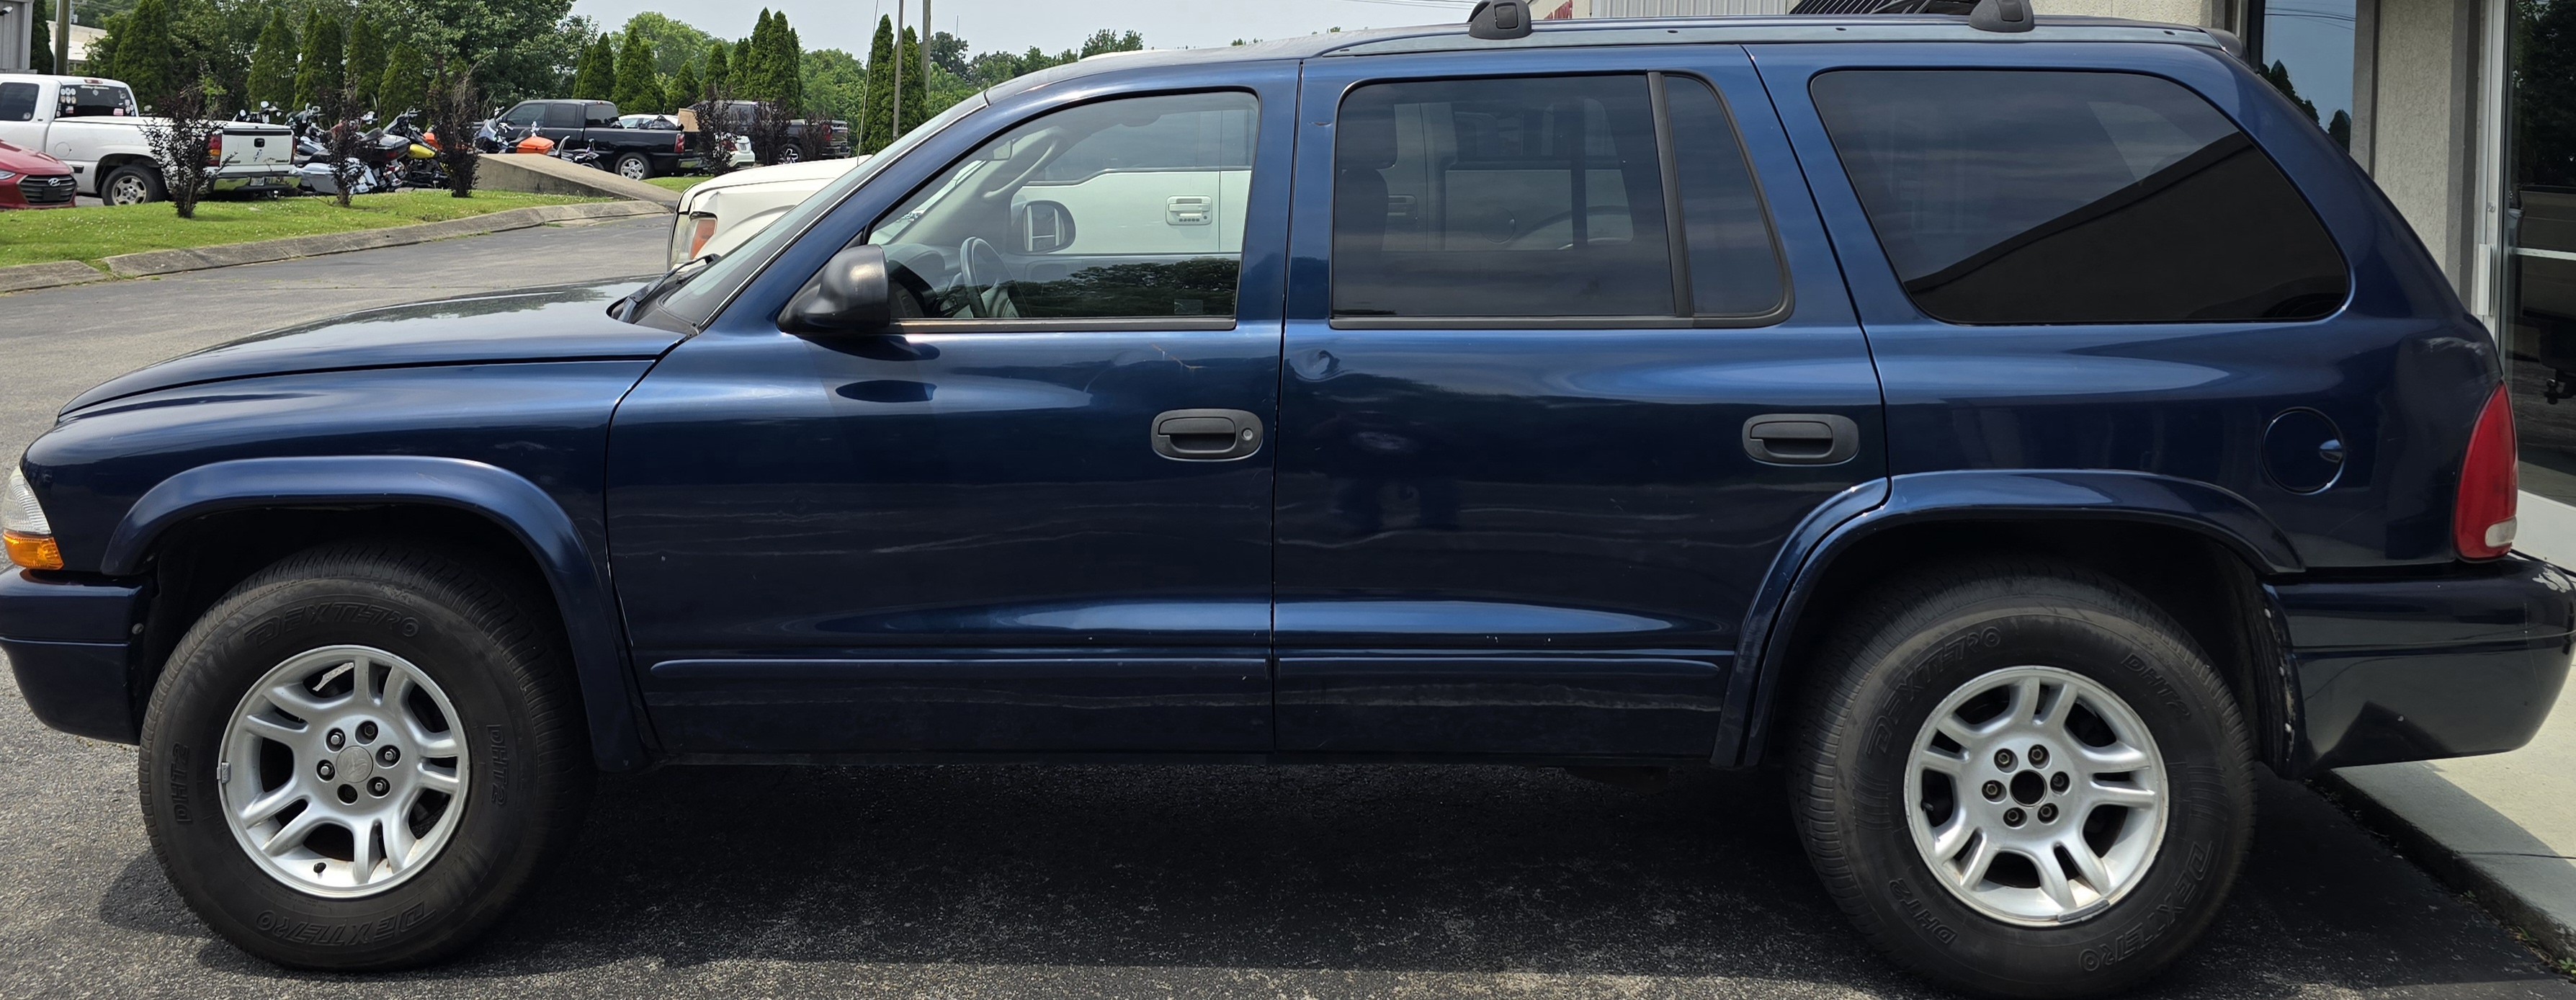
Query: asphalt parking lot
951	882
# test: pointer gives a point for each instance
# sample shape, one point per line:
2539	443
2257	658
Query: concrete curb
27	277
2494	887
155	262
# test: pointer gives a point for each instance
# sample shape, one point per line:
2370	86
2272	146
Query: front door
1035	516
1564	367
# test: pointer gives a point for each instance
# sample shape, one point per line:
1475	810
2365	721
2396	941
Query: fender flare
1866	509
577	576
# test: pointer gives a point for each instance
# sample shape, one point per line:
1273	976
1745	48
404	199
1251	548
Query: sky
1053	25
2313	38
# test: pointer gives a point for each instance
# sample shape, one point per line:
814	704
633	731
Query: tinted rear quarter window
2036	197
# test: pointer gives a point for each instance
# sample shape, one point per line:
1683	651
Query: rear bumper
279	178
66	639
2465	663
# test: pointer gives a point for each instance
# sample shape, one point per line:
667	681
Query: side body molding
578	576
1965	495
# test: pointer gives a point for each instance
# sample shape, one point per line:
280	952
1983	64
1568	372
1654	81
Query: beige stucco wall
2423	120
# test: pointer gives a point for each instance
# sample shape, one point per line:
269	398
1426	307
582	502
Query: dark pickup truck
636	153
835	144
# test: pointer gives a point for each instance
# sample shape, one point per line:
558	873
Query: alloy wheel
2036	796
344	771
127	190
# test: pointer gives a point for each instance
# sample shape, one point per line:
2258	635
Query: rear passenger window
2030	197
17	102
1545	198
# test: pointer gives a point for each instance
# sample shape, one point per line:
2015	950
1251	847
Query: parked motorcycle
417	165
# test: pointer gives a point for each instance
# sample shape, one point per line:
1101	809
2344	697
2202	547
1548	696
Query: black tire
1905	649
791	153
507	675
634	166
123	185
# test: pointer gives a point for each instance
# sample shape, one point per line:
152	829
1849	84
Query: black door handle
1206	435
1801	438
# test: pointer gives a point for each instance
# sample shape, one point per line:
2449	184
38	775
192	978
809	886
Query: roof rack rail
1499	20
1983	15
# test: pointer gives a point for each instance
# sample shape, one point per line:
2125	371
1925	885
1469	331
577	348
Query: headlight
29	537
7	176
689	235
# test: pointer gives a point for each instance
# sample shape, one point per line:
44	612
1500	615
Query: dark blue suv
2014	436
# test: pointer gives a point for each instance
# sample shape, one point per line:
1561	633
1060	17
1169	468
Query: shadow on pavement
1412	869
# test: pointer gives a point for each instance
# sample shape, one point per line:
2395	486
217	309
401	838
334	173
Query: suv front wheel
362	756
2022	779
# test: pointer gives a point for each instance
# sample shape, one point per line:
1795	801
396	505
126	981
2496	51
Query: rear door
1548	307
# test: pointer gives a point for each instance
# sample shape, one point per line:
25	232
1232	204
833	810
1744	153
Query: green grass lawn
89	234
677	183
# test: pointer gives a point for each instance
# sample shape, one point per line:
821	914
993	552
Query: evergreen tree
745	69
272	64
319	75
143	57
639	89
876	120
42	59
366	62
406	81
719	73
790	65
916	91
597	78
684	87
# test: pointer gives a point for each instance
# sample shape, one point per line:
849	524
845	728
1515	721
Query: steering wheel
985	276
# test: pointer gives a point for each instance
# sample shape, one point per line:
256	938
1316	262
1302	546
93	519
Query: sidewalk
2501	827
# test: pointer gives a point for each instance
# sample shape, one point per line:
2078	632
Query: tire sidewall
184	736
2196	733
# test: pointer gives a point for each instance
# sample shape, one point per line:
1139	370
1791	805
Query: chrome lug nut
378	786
1994	791
2047	813
325	770
2012	817
366	732
335	740
2004	759
388	755
2058	782
2039	756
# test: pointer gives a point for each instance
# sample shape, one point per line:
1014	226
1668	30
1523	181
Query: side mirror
852	294
1045	227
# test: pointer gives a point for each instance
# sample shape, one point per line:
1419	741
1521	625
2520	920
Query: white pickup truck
93	125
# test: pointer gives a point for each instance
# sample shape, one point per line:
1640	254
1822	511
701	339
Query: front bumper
67	638
2395	669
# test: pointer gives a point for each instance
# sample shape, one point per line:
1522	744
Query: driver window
1129	208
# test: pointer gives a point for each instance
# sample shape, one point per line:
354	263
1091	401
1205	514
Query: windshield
696	302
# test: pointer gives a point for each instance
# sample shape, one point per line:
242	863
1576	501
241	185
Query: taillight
2482	523
215	150
680	143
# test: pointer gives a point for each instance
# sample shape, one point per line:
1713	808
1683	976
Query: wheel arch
2197	551
461	502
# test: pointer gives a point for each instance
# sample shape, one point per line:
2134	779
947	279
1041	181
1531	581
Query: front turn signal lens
33	551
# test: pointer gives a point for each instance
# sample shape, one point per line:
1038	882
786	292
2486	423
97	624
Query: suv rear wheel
361	757
2022	779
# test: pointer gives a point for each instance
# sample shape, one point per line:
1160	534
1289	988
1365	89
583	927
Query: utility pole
63	37
897	131
926	22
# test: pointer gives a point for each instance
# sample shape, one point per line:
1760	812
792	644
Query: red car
29	179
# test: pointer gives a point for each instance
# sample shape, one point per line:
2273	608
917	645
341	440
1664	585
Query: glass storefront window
2305	49
2540	230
